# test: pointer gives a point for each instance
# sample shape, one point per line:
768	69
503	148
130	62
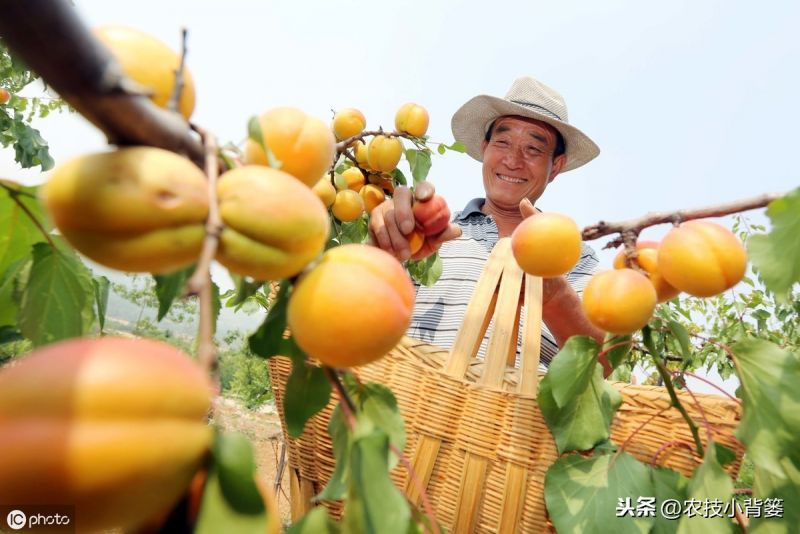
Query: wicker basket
475	435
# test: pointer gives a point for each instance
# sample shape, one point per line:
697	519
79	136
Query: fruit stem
15	194
177	89
710	383
200	281
665	376
341	146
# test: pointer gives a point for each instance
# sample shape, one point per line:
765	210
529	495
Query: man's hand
392	221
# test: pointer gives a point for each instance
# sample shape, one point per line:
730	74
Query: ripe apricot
352	178
647	259
303	145
412	119
325	191
415	241
547	244
138	209
114	426
619	301
372	195
353	307
348	205
150	63
383	153
5	96
702	258
361	153
432	216
347	123
274	225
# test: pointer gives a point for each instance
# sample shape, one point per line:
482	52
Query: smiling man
524	140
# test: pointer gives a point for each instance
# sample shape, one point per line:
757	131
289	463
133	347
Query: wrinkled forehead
526	124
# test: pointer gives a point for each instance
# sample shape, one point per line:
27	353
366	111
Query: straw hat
526	98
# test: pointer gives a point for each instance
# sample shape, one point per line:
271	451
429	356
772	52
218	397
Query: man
524	141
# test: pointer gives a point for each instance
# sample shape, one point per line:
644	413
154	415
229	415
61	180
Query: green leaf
709	483
169	287
18	233
572	369
398	177
770	425
618	354
58	298
725	455
374	504
231	501
457	146
267	341
419	161
426	271
770	488
9	334
355	231
216	304
441	149
682	335
776	256
307	392
244	289
10	283
585	421
668	485
377	403
583	494
317	521
101	289
336	488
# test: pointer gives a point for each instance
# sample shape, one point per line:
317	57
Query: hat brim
472	120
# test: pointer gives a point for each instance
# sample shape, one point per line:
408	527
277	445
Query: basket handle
503	305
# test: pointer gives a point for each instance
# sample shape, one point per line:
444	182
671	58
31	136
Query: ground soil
263	427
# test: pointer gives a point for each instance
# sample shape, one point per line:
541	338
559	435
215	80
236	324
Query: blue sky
692	103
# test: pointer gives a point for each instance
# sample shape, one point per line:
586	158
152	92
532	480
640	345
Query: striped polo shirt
439	309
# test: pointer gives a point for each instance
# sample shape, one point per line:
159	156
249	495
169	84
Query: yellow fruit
383	153
150	63
415	241
360	152
303	145
347	123
412	119
348	205
325	191
353	307
274	225
647	259
702	258
547	244
372	196
138	209
116	427
352	178
619	301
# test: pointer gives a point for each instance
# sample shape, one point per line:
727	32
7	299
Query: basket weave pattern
480	446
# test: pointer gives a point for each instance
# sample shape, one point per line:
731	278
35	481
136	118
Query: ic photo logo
16	519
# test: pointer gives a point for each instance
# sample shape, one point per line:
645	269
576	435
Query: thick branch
51	39
634	226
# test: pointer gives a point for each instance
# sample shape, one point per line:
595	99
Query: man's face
518	161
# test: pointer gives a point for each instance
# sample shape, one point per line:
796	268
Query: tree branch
175	97
51	39
664	373
633	227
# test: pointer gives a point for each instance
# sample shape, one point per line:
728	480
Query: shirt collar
473	206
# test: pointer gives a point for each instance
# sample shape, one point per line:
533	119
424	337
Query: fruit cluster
698	257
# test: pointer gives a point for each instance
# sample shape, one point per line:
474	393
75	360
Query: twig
279	471
710	383
342	146
177	90
709	431
675	443
15	194
634	226
200	281
636	431
664	373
